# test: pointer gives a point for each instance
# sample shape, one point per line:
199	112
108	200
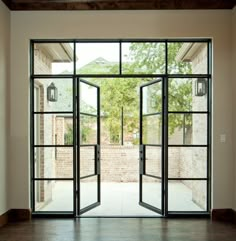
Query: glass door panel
151	146
88	146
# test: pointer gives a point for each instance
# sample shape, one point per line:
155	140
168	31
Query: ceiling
117	4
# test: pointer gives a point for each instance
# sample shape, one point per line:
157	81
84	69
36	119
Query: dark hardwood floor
114	229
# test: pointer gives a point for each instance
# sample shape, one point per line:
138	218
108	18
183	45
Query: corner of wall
234	91
4	97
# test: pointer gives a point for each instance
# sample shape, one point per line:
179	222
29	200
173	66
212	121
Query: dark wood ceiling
117	4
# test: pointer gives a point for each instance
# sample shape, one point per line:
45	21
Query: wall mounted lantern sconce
201	87
52	93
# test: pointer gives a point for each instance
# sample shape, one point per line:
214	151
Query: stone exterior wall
193	160
199	66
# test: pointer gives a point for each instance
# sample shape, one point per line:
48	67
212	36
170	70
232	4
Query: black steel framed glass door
151	170
175	122
88	137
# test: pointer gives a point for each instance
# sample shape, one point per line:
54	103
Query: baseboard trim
227	215
15	215
3	219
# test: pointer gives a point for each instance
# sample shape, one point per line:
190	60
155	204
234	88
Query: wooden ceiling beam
118	4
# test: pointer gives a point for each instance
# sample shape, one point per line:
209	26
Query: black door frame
142	149
166	77
97	163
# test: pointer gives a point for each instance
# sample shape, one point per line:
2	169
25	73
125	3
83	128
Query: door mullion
165	146
78	145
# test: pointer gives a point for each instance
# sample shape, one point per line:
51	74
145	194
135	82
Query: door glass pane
187	129
88	98
152	98
152	191
87	160
88	191
183	95
143	58
187	58
153	160
187	195
97	58
53	58
63	97
187	162
88	129
152	129
53	162
53	196
53	129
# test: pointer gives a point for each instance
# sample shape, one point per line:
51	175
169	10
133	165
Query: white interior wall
4	80
121	24
234	92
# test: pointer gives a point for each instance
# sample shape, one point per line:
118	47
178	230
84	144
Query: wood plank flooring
116	229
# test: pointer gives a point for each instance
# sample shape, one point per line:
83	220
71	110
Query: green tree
144	58
150	58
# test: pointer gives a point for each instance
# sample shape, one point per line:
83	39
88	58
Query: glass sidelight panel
53	162
53	129
88	191
187	162
187	94
53	196
187	195
152	191
187	129
63	95
53	58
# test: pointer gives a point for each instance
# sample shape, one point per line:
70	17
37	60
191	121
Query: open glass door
88	172
151	170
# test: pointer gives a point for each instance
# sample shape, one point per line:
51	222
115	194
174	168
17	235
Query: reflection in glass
187	162
53	58
97	58
88	129
143	58
87	160
187	195
152	129
152	98
53	162
152	191
53	196
53	129
64	96
88	98
187	129
88	191
182	96
153	160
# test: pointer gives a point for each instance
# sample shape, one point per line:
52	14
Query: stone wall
194	160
